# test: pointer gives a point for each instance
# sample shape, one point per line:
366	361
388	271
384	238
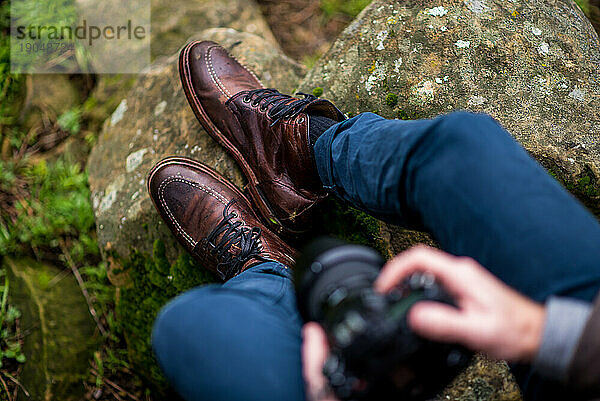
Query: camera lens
329	271
374	353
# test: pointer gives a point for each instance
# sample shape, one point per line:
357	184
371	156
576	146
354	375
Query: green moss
70	120
350	8
59	337
585	180
90	103
311	59
11	85
318	91
155	281
10	347
43	279
402	115
584	5
586	188
161	265
553	173
349	224
391	99
57	207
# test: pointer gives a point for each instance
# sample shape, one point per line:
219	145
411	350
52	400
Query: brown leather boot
212	219
264	130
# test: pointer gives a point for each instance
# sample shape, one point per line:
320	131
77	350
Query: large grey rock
534	65
155	121
59	330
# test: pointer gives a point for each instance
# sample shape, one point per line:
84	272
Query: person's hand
490	316
315	351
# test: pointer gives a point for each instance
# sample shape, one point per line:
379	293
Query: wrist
531	331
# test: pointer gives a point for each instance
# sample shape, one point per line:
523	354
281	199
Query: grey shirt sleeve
565	320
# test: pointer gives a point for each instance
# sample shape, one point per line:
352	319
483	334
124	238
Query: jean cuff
323	160
271	267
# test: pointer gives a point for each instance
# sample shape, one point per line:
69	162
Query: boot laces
235	234
284	106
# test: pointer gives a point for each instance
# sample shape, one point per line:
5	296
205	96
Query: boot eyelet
254	104
301	120
246	99
263	109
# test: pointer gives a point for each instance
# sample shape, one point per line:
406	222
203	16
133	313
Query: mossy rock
59	330
484	379
154	280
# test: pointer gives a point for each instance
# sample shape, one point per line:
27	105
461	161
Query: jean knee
468	127
163	325
168	321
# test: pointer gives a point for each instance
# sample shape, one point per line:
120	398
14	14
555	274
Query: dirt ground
308	31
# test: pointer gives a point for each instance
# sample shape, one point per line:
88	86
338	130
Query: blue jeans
461	177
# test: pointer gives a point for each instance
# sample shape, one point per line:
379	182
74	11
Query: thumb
439	322
315	351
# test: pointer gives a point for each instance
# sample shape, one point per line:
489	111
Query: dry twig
14	380
88	299
115	386
115	394
5	388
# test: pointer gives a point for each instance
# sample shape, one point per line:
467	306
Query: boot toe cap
210	69
172	193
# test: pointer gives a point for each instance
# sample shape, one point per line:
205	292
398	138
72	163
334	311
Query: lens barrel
328	264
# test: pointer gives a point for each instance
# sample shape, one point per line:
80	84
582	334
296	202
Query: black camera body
374	353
